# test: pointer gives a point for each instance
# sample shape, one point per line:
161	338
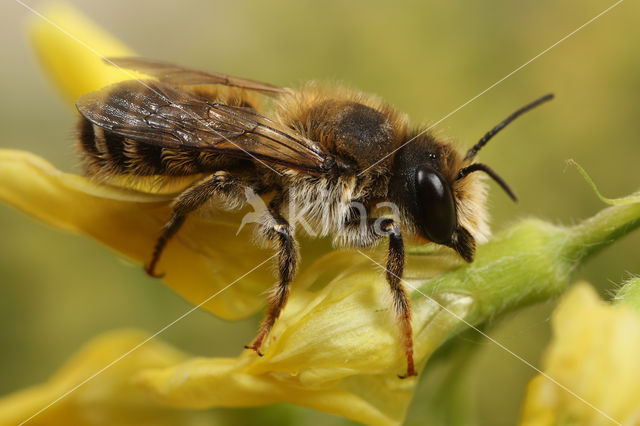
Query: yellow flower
336	350
594	352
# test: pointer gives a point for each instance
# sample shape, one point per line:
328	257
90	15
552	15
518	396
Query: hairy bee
332	154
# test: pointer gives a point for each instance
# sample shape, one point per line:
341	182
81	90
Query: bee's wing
180	76
152	112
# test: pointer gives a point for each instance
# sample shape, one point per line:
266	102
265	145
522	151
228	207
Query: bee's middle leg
279	231
193	197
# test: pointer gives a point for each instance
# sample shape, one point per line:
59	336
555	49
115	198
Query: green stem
601	230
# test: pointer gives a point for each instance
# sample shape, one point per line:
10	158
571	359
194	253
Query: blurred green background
59	290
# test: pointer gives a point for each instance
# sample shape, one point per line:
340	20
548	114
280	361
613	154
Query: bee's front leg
365	233
395	268
278	230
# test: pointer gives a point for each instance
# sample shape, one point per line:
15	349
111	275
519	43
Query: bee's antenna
491	133
488	170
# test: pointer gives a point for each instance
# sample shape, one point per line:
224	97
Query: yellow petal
72	48
594	353
109	398
203	258
335	348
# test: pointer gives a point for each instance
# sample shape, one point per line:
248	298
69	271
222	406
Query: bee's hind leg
189	200
279	231
168	230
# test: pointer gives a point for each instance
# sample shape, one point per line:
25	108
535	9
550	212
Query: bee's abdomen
108	153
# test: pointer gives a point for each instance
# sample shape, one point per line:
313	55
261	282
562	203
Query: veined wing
156	113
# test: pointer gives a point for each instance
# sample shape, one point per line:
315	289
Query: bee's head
437	206
440	199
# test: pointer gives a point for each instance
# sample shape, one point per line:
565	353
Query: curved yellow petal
204	383
594	353
72	48
203	258
109	398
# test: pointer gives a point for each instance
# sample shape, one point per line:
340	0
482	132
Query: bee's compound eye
436	207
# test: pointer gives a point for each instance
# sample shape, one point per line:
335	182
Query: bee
333	154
